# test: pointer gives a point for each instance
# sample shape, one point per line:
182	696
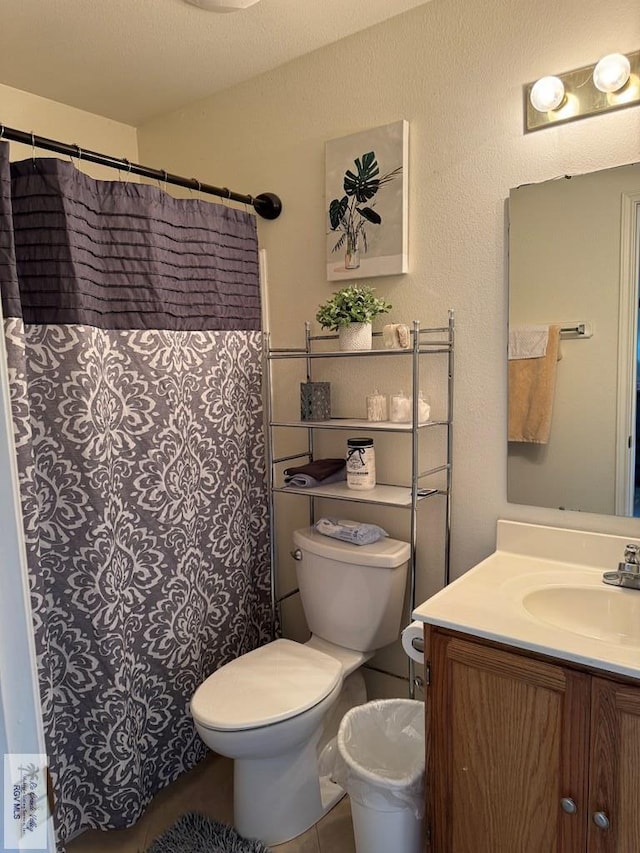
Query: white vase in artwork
355	336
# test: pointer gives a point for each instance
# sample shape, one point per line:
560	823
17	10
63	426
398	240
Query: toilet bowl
270	705
267	709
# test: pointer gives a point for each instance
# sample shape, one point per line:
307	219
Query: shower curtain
132	327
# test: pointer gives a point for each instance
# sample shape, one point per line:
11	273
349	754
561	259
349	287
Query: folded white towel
528	341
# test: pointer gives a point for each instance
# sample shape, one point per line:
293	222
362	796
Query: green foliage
354	304
346	215
365	184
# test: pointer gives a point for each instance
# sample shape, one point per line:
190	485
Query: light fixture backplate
223	5
582	97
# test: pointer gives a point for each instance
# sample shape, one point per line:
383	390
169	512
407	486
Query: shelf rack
424	342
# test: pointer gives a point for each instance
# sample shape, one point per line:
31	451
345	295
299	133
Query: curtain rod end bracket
267	205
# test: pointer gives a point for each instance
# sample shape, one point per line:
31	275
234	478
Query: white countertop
487	601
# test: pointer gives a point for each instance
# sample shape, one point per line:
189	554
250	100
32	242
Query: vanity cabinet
614	776
526	754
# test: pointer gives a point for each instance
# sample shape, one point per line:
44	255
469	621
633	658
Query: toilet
268	708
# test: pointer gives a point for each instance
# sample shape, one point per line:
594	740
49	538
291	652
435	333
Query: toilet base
276	799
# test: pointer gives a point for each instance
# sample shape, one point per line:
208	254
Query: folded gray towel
316	473
303	481
356	532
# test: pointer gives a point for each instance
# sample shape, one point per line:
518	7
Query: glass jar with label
361	463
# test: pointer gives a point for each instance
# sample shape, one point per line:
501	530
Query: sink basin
601	613
542	590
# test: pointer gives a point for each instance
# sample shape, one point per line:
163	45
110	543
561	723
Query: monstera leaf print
337	210
365	184
347	215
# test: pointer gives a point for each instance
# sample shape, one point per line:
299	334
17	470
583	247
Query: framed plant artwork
366	203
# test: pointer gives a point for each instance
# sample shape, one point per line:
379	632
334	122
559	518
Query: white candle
376	407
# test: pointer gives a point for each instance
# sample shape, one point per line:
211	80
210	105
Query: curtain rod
267	205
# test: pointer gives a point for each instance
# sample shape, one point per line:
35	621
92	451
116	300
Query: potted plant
350	312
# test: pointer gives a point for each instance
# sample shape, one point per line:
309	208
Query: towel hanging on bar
532	384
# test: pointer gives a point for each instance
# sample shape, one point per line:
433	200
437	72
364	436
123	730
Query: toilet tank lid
385	553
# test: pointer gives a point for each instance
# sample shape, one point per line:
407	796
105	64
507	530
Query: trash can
380	763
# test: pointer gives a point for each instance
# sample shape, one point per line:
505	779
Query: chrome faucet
628	572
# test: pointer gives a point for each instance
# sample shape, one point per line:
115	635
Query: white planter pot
355	336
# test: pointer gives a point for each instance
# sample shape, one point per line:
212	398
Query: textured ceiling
131	60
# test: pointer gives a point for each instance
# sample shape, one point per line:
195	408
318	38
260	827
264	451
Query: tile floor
208	789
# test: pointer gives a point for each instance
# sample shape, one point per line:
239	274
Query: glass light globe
547	94
612	72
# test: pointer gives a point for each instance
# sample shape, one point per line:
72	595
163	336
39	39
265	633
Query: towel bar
578	330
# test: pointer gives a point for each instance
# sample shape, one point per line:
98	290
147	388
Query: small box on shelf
315	401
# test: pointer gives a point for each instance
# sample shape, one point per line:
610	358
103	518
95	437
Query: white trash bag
380	756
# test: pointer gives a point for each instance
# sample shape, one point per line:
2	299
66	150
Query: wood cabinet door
614	788
507	740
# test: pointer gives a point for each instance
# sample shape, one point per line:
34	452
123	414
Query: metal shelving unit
425	342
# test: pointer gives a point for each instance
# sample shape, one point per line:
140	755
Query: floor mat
194	833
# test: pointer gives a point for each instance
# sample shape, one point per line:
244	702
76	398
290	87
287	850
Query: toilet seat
272	683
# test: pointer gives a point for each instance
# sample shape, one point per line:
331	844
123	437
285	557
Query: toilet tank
352	595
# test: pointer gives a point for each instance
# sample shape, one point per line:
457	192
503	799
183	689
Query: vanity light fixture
613	82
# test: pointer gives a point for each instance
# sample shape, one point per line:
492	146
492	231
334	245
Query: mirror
574	251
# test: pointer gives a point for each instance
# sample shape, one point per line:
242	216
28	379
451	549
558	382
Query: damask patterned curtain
132	326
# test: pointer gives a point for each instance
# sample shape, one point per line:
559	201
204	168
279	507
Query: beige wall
24	111
455	70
